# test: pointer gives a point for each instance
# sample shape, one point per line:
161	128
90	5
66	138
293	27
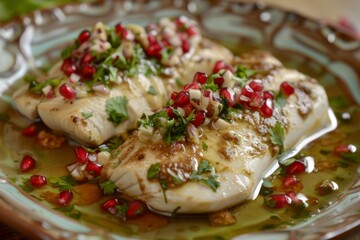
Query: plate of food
178	120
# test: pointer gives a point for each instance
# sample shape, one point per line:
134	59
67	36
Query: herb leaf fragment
116	109
277	135
108	187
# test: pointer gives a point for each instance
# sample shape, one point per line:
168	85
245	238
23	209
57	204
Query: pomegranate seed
268	94
287	88
228	94
192	31
188	108
87	58
135	209
341	149
207	93
173	95
154	50
294	199
193	85
84	36
289	181
68	67
67	92
166	43
27	163
256	100
30	130
200	77
110	203
170	112
180	22
247	92
38	181
219	65
118	27
65	197
93	169
88	71
50	94
256	85
266	110
277	200
182	99
219	81
185	46
199	118
81	155
151	39
295	168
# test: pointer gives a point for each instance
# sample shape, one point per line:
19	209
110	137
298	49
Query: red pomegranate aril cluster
295	168
67	91
343	149
30	130
200	77
277	200
68	67
65	197
38	181
228	94
199	118
287	88
84	36
81	155
220	65
134	209
93	169
88	71
27	163
181	99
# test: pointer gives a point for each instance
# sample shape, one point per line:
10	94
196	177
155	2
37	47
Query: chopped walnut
49	140
221	218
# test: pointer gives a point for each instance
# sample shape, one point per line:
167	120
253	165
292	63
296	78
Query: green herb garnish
116	109
108	187
277	135
87	115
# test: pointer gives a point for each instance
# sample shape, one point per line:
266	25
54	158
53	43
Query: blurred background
342	12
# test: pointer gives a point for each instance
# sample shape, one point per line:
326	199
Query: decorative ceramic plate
323	52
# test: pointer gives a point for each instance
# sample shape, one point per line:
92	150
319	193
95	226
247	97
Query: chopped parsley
205	146
153	171
210	84
70	211
116	109
108	187
87	115
202	175
63	183
37	87
67	52
26	186
151	90
280	99
277	135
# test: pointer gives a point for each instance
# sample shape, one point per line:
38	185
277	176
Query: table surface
328	10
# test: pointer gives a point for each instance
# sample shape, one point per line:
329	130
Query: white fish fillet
240	153
65	117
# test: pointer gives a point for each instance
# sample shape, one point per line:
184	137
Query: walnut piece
50	140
